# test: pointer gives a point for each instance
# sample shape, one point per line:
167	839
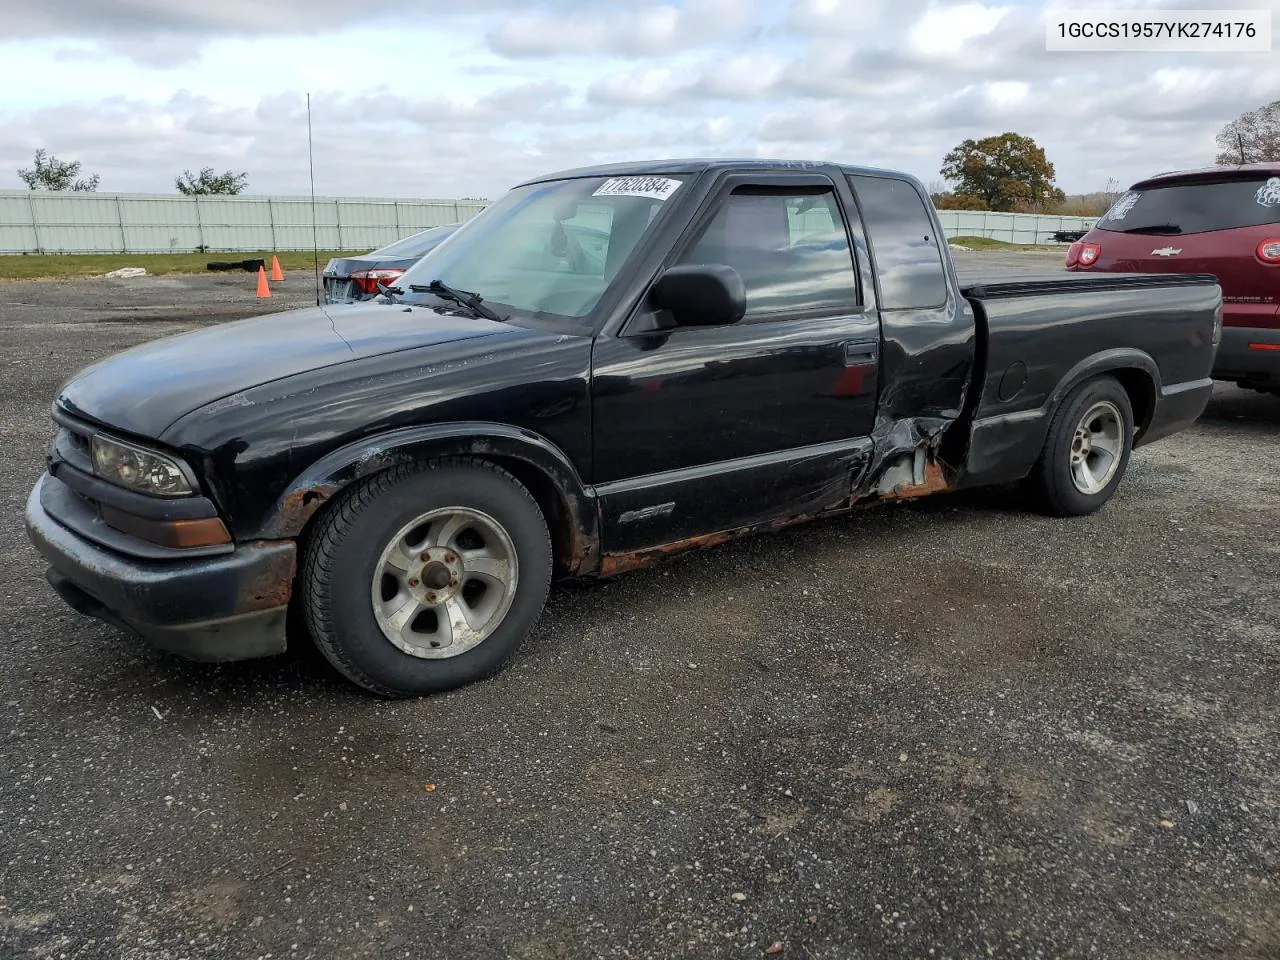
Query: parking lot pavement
947	729
989	263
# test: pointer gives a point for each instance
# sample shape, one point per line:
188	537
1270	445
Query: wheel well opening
550	502
542	488
1142	395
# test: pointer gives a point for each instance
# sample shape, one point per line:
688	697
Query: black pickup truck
733	347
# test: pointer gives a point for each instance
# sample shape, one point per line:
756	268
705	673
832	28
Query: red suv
1224	221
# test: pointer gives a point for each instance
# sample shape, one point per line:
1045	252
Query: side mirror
701	295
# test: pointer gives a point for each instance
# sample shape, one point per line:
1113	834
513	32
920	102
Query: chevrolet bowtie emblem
1166	252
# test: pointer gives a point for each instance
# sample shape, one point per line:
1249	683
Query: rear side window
1196	207
904	246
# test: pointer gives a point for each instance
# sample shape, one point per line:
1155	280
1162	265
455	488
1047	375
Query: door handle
859	353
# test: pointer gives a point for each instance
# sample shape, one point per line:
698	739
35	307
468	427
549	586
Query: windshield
1197	207
548	248
415	245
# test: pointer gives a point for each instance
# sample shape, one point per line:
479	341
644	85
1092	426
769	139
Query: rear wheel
422	579
1087	450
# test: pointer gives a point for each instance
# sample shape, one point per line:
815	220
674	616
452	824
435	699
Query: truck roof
644	168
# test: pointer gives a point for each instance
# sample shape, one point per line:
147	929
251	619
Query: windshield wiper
1168	229
389	292
472	301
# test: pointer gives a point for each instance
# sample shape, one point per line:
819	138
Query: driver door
699	430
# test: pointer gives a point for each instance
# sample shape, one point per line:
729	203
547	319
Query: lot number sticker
655	188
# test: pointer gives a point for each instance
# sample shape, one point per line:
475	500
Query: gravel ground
948	729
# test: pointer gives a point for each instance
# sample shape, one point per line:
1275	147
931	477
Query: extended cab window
904	247
790	247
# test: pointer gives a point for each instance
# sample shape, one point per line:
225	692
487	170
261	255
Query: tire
440	615
1058	479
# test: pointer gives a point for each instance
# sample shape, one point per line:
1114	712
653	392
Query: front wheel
422	579
1087	449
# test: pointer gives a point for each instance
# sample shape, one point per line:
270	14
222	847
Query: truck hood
145	389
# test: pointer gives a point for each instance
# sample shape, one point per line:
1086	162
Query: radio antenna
315	242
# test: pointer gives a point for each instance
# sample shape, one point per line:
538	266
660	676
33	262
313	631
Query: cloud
950	28
639	86
613	31
441	97
848	18
140	18
169	32
368	144
743	77
166	33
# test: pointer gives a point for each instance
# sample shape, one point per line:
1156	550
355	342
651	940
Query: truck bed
1040	334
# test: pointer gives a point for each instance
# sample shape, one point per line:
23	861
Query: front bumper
219	608
1240	363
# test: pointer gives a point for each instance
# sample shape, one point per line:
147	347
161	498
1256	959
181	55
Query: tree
207	182
1003	172
50	173
957	201
1252	137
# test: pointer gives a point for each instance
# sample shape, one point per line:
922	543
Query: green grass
52	265
984	243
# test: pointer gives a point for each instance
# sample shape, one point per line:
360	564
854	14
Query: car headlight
137	469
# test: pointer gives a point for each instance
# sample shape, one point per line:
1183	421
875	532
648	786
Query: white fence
1009	227
41	222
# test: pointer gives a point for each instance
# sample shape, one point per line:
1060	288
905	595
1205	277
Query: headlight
136	469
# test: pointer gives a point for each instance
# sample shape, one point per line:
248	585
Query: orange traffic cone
276	272
264	289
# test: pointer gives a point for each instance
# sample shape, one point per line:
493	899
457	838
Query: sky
465	98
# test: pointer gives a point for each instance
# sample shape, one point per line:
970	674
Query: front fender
577	530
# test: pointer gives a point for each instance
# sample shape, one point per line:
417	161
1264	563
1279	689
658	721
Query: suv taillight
1089	253
366	281
1073	253
1269	250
